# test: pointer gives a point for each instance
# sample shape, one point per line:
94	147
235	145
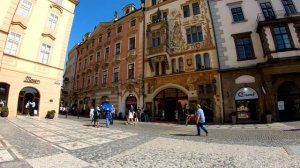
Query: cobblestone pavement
72	142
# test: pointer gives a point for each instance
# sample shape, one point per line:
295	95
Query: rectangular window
91	60
52	21
104	77
289	7
131	71
244	49
83	83
209	88
201	88
100	39
194	34
85	63
206	61
119	30
132	43
118	48
181	64
156	68
116	74
96	78
24	8
198	62
237	14
282	39
12	43
153	2
267	10
44	53
186	11
155	39
88	81
132	23
196	8
106	54
108	35
98	56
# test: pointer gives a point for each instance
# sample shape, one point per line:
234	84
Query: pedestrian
130	116
107	108
92	114
96	117
113	112
200	120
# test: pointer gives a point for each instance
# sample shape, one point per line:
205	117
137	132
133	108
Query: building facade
32	55
181	66
67	94
110	63
258	49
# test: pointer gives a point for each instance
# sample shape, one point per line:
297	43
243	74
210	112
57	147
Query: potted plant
50	114
233	117
4	111
269	116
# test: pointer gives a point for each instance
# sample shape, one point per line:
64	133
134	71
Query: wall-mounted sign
245	94
28	79
280	105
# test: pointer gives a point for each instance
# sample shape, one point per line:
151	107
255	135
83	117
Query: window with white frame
12	43
24	8
52	21
116	74
44	53
131	71
104	77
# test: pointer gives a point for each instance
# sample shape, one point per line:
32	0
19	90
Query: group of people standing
108	110
30	108
133	116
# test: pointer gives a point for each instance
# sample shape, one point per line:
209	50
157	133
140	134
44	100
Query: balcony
159	49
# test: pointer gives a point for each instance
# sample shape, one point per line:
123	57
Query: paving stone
5	156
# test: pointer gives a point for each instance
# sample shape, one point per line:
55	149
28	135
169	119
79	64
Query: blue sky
90	12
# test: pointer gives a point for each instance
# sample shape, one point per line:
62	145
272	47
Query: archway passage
288	96
169	104
131	100
4	90
28	94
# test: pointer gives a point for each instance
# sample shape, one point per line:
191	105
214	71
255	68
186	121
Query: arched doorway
130	100
4	91
25	95
288	99
168	102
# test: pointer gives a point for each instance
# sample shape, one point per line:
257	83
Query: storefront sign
28	79
246	93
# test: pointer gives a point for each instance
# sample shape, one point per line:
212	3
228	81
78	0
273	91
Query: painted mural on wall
177	25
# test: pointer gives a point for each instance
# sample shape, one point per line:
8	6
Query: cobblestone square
72	142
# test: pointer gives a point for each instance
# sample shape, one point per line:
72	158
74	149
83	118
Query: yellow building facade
33	41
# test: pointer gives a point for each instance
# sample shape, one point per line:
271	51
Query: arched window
198	62
180	64
206	61
173	65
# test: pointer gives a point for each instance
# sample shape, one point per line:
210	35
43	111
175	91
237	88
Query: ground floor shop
170	98
251	94
28	94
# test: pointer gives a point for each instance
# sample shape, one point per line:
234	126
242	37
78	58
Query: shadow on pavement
183	134
292	130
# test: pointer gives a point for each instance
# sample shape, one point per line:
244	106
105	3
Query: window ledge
246	59
242	21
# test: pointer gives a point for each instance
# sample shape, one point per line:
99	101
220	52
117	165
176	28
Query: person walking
200	120
107	108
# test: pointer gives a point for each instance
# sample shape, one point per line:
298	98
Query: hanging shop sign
246	93
29	79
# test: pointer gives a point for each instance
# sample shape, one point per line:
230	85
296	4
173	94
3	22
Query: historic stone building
110	63
33	40
180	60
259	58
67	94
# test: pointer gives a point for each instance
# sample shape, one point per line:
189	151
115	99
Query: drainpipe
219	67
143	57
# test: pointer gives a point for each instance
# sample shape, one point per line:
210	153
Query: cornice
20	24
57	7
48	35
